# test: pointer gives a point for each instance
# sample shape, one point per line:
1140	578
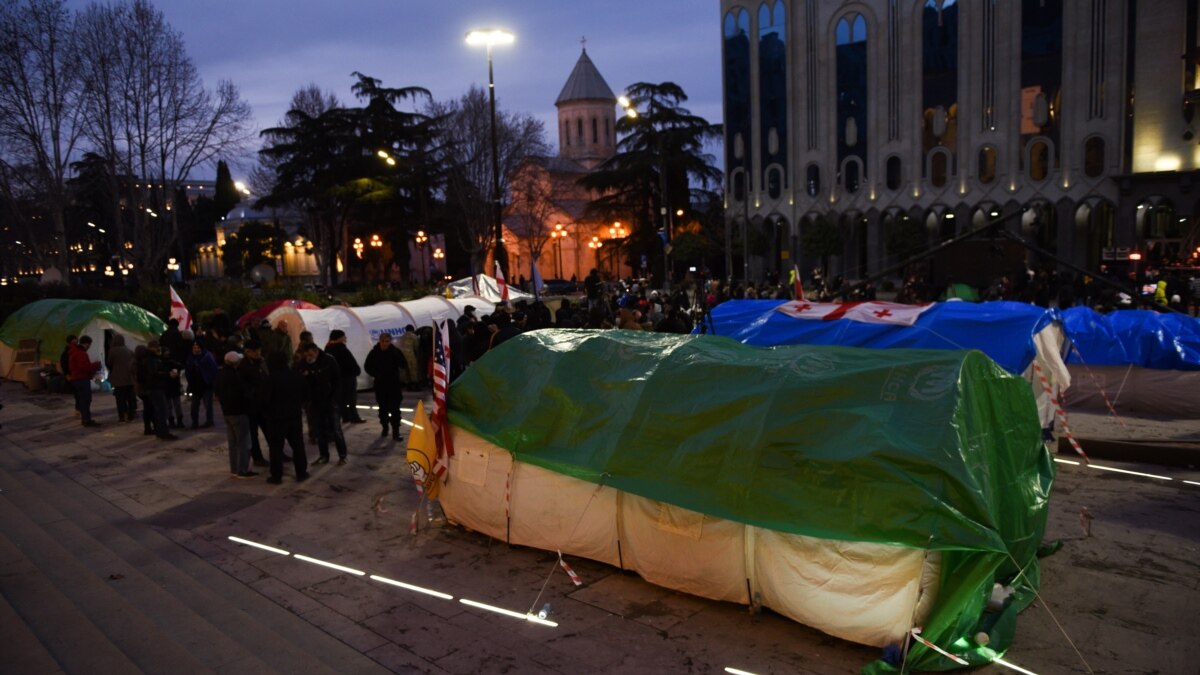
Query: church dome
585	83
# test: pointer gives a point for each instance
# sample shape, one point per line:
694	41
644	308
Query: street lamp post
422	239
491	37
557	235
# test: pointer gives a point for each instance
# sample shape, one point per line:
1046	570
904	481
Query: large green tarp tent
930	451
51	321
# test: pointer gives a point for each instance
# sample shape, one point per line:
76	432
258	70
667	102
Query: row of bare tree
114	83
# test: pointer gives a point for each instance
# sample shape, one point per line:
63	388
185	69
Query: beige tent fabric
866	593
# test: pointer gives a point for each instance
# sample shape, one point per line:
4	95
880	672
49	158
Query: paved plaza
116	558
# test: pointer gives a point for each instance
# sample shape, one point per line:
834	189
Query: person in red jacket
82	370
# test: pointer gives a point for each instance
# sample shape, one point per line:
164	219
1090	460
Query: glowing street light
557	235
491	37
358	247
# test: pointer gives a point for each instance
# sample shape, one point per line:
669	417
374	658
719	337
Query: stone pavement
115	557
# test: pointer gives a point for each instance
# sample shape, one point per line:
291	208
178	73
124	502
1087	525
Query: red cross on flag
179	311
865	312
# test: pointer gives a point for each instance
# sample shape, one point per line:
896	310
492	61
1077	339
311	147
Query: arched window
736	56
939	167
595	130
1093	157
987	164
893	173
579	130
737	179
773	78
852	174
774	181
566	132
1039	160
812	180
851	39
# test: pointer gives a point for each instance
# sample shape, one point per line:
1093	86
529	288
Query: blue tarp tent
1133	337
1005	331
1013	334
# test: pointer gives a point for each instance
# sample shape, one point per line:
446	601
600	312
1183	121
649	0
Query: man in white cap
230	389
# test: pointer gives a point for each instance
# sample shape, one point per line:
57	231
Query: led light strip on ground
1125	471
417	589
531	618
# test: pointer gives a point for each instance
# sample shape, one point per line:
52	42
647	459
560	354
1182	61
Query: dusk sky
270	48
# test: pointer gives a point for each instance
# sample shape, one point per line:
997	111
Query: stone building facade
1073	120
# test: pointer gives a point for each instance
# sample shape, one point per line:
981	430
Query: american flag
441	382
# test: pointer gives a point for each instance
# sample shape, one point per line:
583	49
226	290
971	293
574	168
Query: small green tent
927	454
51	321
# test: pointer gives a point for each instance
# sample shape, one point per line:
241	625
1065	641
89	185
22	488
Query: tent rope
1037	594
1099	387
556	564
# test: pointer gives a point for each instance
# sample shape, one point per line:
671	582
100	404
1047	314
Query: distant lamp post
595	244
616	233
1136	257
557	235
358	247
383	154
421	240
439	255
491	37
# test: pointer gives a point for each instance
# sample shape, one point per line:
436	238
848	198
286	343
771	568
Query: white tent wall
363	325
483	306
50	353
867	593
430	309
385	317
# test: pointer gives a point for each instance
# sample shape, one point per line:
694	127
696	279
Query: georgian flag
865	312
500	281
179	311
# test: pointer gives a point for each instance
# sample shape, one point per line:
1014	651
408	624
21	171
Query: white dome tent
364	325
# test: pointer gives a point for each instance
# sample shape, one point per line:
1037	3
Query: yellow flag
422	449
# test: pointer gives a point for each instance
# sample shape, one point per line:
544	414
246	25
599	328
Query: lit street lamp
422	239
557	235
438	255
491	37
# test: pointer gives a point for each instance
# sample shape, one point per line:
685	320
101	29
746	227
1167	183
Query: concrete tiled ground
1147	539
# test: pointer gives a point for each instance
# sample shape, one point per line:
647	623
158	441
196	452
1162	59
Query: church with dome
546	211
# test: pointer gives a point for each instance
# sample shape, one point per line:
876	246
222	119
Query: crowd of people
265	384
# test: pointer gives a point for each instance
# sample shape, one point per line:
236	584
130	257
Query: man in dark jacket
153	376
234	398
254	376
321	380
385	364
201	369
282	413
349	371
120	375
81	370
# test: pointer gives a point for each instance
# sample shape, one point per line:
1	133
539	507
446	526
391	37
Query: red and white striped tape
1060	413
916	633
570	572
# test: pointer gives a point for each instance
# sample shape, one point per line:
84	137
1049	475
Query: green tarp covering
927	449
53	320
